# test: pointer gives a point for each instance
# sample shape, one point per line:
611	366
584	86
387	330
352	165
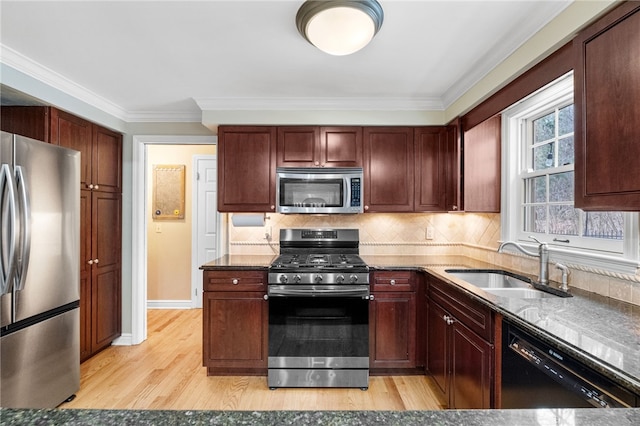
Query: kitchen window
538	187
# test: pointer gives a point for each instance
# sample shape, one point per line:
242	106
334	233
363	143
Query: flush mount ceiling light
339	27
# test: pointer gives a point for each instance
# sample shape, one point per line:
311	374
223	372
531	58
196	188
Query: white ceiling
169	60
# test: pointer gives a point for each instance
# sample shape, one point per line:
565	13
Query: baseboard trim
169	304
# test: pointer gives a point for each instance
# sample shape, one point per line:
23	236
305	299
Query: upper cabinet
313	146
452	137
481	174
246	168
431	172
607	112
388	169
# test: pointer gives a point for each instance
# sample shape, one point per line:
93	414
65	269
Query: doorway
140	222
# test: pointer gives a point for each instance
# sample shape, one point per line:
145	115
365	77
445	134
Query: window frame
615	256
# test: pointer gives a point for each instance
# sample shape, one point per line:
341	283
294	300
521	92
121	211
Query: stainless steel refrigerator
39	267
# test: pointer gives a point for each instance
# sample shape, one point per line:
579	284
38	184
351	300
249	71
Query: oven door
318	338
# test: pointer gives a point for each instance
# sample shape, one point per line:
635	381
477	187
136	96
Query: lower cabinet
460	350
392	320
235	322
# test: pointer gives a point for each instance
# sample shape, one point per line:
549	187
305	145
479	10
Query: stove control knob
297	278
353	278
283	279
340	279
317	278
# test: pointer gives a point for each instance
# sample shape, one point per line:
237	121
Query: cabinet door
106	161
430	169
298	146
471	369
85	275
388	169
453	160
438	347
246	168
393	330
340	146
106	288
72	132
482	167
607	112
235	331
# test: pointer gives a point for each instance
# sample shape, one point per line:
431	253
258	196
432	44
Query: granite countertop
601	332
539	417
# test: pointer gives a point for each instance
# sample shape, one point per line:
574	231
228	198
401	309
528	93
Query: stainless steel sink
505	284
519	293
490	278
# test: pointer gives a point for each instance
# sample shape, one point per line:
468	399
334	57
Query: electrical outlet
429	233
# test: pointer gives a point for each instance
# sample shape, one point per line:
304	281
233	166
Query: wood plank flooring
166	372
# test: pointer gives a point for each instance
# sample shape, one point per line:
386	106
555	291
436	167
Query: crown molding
320	104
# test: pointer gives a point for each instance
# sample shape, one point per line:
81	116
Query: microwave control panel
355	192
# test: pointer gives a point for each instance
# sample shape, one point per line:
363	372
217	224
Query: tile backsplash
471	234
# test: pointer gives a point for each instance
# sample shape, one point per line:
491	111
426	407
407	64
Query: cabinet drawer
474	315
234	281
394	281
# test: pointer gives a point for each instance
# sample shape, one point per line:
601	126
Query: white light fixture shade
339	27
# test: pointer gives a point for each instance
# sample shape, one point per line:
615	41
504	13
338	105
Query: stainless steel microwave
319	190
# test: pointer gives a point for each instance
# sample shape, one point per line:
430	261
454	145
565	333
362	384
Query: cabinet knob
90	186
273	207
366	207
265	297
96	187
235	281
371	297
448	319
454	208
392	282
317	163
90	262
95	261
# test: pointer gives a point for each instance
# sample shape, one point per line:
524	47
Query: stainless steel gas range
318	310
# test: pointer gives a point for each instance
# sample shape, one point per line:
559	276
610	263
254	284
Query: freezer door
48	182
40	364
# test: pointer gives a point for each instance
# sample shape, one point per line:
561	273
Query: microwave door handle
25	226
8	268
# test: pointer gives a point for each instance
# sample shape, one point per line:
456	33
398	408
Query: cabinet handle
265	297
235	281
448	319
392	282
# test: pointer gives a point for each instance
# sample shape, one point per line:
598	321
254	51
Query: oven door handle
359	291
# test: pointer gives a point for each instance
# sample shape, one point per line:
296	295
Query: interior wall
169	241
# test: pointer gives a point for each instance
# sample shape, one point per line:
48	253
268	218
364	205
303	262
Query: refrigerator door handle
7	260
25	227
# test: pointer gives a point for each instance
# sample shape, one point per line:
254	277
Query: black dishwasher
537	375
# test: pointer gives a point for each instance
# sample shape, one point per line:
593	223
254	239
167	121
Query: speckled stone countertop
540	417
601	332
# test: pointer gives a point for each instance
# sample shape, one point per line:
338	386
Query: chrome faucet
543	254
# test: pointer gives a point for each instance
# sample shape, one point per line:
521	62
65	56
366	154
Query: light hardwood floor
166	372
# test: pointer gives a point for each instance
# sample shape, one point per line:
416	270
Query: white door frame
139	224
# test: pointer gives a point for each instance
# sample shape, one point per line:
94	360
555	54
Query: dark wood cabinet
607	118
430	169
392	321
452	136
482	167
246	168
313	146
460	349
235	322
388	169
100	260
